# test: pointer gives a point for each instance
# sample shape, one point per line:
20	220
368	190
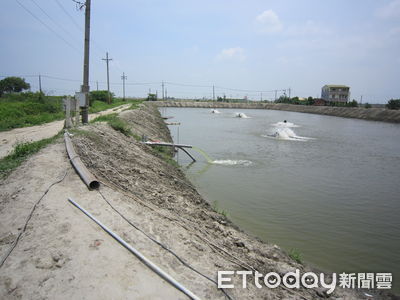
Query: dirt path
63	254
35	133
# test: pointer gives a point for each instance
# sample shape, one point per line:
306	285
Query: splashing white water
241	115
229	162
215	111
285	125
286	134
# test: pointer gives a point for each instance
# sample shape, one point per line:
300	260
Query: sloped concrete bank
373	114
169	208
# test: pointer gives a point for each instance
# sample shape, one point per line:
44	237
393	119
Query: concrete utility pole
40	83
275	94
261	97
213	93
361	99
289	92
162	89
123	77
85	85
108	77
166	97
97	85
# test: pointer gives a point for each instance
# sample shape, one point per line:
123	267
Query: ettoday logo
291	280
309	280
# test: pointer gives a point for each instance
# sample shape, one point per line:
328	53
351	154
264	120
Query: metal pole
139	255
85	85
123	77
108	77
213	93
162	87
40	83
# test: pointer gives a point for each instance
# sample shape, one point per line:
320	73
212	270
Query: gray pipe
139	255
86	176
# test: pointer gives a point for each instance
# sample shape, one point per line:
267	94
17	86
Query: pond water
328	187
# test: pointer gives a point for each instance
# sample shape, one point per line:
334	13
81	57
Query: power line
70	17
189	85
97	47
52	19
47	26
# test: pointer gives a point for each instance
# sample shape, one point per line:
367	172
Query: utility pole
166	97
275	94
213	93
108	77
289	92
162	89
261	97
361	99
85	85
97	85
40	83
123	77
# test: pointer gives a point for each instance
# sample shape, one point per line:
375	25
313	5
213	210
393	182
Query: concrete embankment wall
374	114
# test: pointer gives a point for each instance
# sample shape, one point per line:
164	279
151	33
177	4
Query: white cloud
268	22
236	53
390	10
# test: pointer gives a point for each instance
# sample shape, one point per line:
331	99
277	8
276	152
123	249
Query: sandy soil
64	255
35	133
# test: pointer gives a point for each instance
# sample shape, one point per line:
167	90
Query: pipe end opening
94	185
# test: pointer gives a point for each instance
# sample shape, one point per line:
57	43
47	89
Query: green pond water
326	186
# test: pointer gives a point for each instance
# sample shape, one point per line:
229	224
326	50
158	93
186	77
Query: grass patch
28	109
21	152
166	155
117	124
217	209
295	255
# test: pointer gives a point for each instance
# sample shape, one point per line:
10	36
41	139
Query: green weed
21	152
295	255
216	208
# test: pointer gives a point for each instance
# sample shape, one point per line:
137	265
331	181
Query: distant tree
100	96
353	103
393	104
152	97
13	85
367	105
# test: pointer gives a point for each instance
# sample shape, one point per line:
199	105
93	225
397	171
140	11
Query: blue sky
246	45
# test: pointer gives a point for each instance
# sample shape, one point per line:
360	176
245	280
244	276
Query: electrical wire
54	21
48	27
3	260
70	17
162	245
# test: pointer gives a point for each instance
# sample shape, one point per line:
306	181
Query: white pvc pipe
146	261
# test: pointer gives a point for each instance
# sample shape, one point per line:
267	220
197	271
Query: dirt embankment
64	255
373	114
